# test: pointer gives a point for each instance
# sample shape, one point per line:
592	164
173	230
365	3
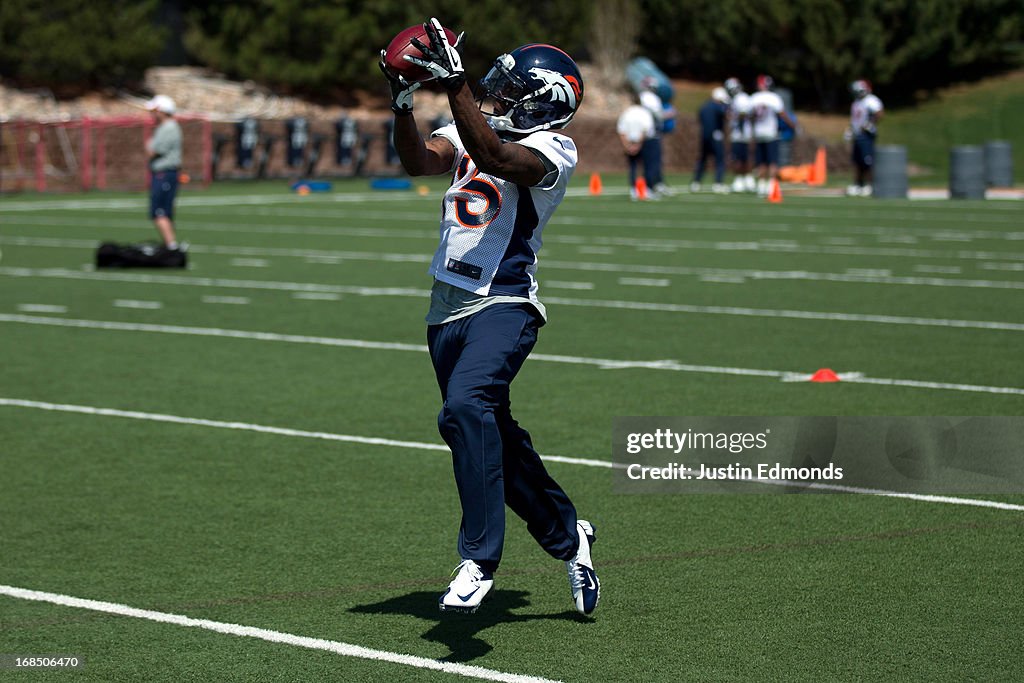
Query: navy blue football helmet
534	87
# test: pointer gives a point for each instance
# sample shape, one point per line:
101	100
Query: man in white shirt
865	112
650	99
635	126
510	165
766	109
738	120
164	150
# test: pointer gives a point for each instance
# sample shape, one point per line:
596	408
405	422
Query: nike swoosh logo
464	598
590	581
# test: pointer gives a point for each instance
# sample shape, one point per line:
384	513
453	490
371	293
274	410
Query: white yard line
249	262
63	273
231	300
316	296
1014	267
344	649
418	445
600	363
42	308
853	275
641	243
135	303
644	282
563	284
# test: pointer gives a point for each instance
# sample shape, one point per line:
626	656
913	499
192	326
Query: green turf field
252	441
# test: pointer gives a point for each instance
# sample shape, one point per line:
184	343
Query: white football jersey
636	123
765	108
739	111
862	110
490	227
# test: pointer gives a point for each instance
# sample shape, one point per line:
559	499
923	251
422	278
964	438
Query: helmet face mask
534	87
733	86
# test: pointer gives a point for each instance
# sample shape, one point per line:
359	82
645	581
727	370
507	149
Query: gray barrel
998	163
890	172
967	172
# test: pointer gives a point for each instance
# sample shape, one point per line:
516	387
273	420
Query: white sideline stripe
329	436
344	649
134	303
853	275
594	303
923	497
798	315
601	363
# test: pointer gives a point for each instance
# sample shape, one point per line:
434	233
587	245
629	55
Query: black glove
401	89
441	58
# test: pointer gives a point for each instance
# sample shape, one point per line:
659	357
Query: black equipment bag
145	255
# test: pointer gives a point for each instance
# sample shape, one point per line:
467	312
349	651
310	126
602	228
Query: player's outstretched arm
505	160
418	156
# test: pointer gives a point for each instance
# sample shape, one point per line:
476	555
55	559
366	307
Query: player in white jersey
766	109
865	112
510	166
738	120
635	126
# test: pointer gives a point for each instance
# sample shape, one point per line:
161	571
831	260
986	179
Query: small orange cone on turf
595	184
641	188
825	375
775	192
819	169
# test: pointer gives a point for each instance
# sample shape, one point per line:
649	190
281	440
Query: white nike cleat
467	590
586	589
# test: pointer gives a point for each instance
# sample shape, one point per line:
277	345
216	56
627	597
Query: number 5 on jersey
475	189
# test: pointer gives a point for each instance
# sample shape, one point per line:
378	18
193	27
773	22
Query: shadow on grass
460	633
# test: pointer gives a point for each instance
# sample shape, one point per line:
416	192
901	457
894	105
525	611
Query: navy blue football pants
475	359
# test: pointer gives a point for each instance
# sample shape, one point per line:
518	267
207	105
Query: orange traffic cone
819	169
775	192
825	375
641	188
595	184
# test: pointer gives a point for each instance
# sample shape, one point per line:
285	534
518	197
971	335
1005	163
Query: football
401	45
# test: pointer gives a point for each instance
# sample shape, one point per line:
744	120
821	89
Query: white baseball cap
161	103
720	95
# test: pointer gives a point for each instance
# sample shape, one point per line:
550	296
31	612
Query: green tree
334	45
69	45
817	46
